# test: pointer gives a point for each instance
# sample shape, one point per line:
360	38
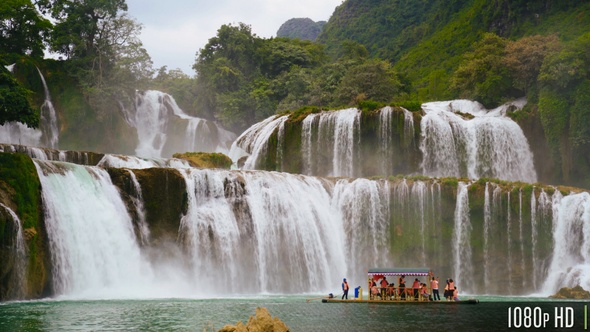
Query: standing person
345	289
416	287
402	287
434	287
384	285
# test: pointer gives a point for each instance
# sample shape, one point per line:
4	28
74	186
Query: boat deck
334	300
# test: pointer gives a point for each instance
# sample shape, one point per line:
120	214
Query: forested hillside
489	51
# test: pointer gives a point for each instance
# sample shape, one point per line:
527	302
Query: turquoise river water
491	314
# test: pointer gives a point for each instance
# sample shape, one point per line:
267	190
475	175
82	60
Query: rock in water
571	293
262	322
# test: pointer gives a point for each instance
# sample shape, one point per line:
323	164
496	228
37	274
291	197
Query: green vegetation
20	185
14	101
205	160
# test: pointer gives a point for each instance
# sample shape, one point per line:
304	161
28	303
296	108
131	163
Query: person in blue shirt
345	288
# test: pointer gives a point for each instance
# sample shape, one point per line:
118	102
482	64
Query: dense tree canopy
14	104
22	29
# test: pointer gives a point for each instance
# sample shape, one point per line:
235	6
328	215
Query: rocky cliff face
24	262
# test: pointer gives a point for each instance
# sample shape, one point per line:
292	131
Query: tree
482	75
14	102
225	67
374	79
525	56
79	24
103	49
22	29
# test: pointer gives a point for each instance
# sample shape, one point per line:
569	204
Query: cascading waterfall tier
164	129
479	144
252	232
459	138
346	143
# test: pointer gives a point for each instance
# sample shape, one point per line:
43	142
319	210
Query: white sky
174	30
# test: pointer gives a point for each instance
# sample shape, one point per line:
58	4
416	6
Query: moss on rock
205	159
164	197
20	190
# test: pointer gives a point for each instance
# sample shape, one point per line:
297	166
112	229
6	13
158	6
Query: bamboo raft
396	295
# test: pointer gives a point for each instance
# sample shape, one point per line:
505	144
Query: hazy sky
174	30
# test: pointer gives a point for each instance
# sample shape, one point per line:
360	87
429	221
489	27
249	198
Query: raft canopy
403	271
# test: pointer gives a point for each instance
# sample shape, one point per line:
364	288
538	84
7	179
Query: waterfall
487	221
344	127
48	121
163	128
509	244
408	127
462	251
570	264
19	250
364	206
487	145
121	161
254	141
308	149
521	236
143	231
542	228
94	251
419	196
385	137
258	232
283	236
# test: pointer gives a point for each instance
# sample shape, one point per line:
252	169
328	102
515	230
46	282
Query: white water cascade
488	145
462	251
337	137
94	251
287	237
163	128
257	232
253	142
143	231
570	264
19	249
48	120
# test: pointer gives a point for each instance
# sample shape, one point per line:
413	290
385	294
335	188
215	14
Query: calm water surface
491	314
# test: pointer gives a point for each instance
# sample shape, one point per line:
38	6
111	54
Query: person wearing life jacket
345	288
416	287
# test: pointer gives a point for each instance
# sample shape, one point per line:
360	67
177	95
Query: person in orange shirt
416	287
